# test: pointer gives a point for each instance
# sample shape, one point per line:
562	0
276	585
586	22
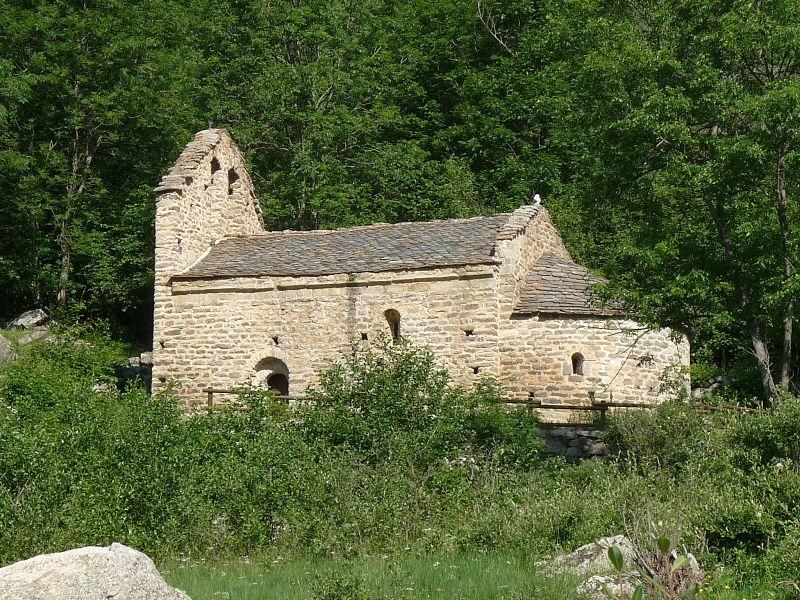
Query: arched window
273	374
577	364
393	319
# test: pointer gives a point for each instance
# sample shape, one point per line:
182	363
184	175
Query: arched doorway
273	374
278	382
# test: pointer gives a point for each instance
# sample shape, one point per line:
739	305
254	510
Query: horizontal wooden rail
603	406
596	406
211	391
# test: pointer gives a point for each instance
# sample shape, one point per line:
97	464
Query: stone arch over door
272	373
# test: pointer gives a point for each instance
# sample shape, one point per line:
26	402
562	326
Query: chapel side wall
207	195
223	328
622	362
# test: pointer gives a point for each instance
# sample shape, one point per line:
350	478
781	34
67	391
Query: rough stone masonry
492	296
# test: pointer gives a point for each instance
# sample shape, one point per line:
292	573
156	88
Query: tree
689	117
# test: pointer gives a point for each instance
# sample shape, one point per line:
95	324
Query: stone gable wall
207	195
529	234
220	330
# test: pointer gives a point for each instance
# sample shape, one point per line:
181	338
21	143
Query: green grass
474	577
465	577
13	335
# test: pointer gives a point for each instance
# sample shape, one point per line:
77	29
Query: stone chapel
494	296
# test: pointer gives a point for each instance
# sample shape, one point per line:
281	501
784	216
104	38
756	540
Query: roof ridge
518	221
357	227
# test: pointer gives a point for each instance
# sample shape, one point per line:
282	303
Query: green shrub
395	404
671	436
389	459
773	437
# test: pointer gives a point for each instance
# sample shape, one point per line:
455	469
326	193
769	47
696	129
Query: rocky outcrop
592	559
35	335
29	319
7	353
91	573
605	587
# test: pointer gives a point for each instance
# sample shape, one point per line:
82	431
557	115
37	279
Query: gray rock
34	335
146	358
604	587
7	353
90	573
592	559
29	319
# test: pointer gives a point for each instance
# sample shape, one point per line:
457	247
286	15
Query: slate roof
556	285
373	248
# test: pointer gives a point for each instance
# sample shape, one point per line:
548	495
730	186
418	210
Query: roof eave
199	277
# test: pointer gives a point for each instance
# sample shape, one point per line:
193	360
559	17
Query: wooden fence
211	391
603	407
595	406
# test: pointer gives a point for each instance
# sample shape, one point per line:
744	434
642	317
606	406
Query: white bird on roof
537	199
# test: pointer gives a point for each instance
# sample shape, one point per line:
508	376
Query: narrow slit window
577	364
233	177
393	319
214	165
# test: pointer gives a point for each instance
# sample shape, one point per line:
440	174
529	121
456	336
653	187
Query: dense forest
663	137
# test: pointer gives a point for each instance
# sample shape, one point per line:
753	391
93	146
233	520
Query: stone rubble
7	352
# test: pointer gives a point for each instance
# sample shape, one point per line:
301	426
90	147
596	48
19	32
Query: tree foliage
662	135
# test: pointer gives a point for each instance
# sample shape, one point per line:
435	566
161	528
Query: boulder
36	334
29	319
90	573
605	587
7	353
592	559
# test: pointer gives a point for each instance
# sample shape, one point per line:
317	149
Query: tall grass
473	577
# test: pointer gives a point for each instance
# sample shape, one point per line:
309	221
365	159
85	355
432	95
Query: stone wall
574	442
221	330
622	362
206	196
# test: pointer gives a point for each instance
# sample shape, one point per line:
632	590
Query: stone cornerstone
491	296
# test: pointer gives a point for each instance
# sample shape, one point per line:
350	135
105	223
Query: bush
671	436
395	404
773	437
390	458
